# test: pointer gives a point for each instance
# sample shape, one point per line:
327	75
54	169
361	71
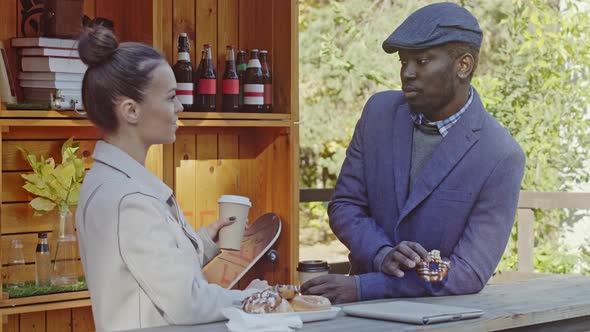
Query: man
427	169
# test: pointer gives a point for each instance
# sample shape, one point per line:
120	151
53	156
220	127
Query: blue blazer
463	203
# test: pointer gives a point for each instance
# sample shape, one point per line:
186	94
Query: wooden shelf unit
254	155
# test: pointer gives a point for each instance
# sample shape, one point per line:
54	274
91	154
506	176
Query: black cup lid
313	266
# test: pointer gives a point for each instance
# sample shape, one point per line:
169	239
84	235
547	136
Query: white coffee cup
230	237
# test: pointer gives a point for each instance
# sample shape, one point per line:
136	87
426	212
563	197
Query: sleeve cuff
378	260
358	287
210	249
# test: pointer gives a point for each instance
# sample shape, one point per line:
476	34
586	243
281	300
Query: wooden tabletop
553	303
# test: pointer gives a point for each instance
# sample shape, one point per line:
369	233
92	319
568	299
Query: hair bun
97	45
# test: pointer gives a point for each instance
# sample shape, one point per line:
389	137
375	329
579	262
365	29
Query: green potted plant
58	186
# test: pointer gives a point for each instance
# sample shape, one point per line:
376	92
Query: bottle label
230	87
242	67
268	94
254	63
184	93
207	86
253	94
184	56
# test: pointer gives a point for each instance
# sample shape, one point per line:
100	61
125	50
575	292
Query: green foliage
54	185
533	77
31	289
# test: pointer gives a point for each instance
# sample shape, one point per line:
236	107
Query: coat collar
463	135
116	158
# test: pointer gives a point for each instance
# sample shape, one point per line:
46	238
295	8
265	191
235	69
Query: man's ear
466	65
129	110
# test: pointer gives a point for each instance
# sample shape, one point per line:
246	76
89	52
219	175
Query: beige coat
141	259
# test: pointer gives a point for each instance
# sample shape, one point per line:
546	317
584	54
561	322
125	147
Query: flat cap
434	25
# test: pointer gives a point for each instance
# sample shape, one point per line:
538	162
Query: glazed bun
310	303
97	45
286	291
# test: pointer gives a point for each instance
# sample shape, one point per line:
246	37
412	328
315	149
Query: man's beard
430	107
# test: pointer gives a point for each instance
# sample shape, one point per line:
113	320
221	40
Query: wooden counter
553	303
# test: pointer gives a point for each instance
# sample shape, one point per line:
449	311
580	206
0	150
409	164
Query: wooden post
526	239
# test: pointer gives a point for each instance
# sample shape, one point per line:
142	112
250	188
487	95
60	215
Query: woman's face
158	116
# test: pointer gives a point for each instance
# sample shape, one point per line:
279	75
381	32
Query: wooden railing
528	201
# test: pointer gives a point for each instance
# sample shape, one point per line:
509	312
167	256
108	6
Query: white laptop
412	312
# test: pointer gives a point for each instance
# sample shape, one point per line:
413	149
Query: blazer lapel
451	150
402	154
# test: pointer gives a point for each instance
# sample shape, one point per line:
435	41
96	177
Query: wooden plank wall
256	163
16	215
247	24
18	221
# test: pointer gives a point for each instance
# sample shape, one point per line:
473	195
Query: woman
141	259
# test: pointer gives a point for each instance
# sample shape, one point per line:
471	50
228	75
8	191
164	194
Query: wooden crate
255	155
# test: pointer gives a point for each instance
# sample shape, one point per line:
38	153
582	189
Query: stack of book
50	67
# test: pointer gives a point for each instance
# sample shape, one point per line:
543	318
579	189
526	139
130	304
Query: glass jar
65	255
16	264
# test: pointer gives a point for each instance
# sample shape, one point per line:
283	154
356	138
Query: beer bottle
267	80
253	85
242	66
196	75
207	84
231	82
183	71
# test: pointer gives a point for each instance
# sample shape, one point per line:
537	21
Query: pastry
262	302
286	291
434	271
285	306
310	303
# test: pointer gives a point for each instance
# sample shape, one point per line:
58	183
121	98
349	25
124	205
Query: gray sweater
426	139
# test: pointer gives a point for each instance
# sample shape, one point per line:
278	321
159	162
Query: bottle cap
42	235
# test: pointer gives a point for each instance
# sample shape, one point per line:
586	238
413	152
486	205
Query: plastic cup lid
313	266
235	199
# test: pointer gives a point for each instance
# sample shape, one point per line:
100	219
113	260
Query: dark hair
114	71
457	49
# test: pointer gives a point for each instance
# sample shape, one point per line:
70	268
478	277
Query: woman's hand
214	228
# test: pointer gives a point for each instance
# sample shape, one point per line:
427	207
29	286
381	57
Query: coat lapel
402	145
463	135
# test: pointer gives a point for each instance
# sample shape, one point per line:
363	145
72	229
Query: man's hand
404	256
336	287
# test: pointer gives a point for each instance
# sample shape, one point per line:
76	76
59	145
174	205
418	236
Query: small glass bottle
267	80
230	101
16	264
207	99
42	262
253	85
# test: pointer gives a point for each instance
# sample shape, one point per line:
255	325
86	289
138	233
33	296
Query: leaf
34	179
42	204
44	192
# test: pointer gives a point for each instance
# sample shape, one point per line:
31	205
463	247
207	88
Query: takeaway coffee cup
230	237
311	269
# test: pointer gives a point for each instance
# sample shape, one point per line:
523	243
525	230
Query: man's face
429	80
